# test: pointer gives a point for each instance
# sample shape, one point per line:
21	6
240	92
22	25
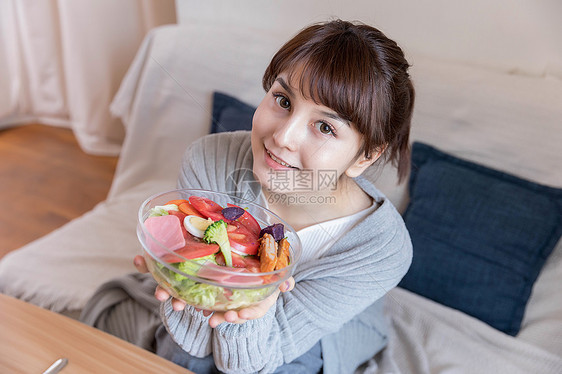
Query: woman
338	99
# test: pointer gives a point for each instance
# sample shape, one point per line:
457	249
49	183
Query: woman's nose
290	133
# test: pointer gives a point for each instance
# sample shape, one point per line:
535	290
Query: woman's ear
363	162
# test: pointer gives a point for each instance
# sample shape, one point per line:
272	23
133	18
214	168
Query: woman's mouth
277	161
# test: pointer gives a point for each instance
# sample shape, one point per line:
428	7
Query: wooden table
32	338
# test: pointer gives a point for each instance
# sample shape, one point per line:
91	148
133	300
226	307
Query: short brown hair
362	75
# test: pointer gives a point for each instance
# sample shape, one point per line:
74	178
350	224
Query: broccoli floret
216	233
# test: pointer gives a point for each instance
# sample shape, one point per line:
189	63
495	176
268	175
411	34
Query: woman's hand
232	316
253	312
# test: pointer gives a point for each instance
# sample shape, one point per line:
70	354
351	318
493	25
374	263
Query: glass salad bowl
215	251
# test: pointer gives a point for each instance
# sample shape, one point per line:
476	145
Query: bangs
360	74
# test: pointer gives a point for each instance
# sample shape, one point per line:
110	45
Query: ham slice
167	232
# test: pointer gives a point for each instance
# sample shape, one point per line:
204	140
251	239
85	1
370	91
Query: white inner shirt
318	238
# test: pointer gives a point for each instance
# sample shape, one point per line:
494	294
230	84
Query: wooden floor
45	181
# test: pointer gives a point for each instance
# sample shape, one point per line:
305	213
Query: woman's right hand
160	293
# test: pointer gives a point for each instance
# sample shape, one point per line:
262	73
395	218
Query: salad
214	257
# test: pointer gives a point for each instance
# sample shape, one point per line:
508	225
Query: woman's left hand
253	312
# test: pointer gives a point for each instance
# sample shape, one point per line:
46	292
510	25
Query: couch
503	126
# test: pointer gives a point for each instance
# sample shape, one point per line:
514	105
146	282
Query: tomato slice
250	263
237	260
208	208
242	239
243	233
194	248
178	214
249	221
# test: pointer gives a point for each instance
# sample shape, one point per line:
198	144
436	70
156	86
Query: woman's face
299	145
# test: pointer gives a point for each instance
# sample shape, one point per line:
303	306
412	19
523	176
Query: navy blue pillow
480	236
230	114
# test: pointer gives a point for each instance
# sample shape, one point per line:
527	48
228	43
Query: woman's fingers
231	316
161	294
140	264
252	312
216	319
288	285
178	305
219	317
259	310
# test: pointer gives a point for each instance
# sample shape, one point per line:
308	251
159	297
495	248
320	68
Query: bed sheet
428	337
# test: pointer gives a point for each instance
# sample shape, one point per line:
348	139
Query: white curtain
61	62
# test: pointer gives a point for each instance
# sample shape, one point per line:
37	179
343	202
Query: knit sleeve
197	170
188	328
362	267
219	162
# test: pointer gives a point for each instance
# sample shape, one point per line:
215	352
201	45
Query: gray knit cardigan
337	299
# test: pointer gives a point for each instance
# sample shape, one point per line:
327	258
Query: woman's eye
283	102
325	128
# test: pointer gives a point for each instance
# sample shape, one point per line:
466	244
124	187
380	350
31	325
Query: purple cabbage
232	212
276	230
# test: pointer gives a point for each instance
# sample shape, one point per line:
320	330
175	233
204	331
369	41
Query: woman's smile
275	162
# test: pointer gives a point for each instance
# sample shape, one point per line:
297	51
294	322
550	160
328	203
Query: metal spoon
57	366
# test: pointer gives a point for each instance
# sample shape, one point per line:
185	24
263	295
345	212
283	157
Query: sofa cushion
230	114
480	236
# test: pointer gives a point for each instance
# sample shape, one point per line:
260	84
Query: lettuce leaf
205	295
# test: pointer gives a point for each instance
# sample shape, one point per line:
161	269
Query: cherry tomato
249	221
208	208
